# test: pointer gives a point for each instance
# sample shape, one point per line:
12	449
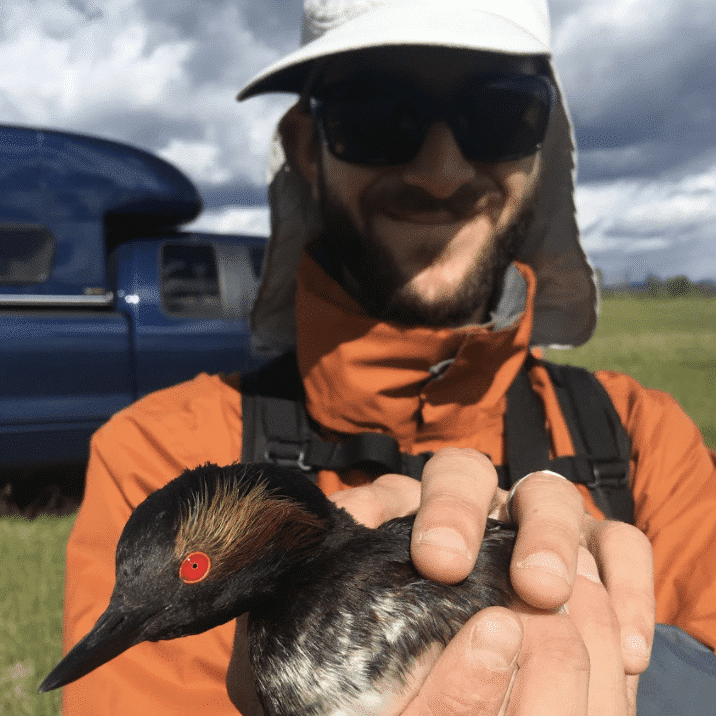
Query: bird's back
360	617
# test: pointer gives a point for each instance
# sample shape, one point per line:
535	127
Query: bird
336	610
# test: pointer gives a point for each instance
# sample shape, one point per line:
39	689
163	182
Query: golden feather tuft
236	528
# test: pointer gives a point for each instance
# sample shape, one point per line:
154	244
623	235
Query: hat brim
426	25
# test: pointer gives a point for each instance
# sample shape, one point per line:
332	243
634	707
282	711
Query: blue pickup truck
103	297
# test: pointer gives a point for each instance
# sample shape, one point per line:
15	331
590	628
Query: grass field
667	344
32	557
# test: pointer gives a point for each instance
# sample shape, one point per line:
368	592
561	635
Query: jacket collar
361	374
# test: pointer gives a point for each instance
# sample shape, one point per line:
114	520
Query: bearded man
423	243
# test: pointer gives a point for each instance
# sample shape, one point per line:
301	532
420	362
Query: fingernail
445	538
495	642
547	562
635	644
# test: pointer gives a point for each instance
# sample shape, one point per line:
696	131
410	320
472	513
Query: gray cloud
162	75
641	87
88	10
237	192
226	33
275	21
671	257
148	128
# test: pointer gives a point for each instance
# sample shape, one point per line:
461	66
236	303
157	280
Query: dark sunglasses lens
494	120
379	130
504	119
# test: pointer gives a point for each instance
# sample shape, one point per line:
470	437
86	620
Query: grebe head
199	552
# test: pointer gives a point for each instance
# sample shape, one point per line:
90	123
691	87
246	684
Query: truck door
189	297
65	359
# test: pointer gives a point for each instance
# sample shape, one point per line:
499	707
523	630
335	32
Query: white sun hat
334	26
566	303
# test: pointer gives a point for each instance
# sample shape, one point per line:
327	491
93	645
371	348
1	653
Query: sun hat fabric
334	26
566	303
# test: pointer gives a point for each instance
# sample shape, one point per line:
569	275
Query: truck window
256	253
26	253
189	282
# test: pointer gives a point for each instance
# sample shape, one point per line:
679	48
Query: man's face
426	239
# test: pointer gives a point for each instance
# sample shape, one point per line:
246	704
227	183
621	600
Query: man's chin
426	293
411	308
434	283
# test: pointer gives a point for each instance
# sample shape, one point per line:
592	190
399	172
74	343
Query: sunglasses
375	122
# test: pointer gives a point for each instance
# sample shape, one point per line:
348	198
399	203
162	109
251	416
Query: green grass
32	555
666	344
669	344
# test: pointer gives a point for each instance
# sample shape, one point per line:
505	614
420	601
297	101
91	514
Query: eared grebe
336	610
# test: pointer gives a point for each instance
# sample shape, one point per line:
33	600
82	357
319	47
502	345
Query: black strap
272	402
525	433
278	429
602	446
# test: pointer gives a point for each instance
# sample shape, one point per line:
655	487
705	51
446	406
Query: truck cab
103	297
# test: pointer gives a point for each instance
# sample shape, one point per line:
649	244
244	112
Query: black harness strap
601	444
278	429
527	447
273	413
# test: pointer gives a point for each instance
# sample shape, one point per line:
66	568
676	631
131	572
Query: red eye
195	567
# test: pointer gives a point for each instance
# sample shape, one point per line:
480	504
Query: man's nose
439	167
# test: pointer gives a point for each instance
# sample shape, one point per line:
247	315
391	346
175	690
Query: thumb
474	672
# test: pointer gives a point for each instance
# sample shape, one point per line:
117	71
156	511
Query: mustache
407	199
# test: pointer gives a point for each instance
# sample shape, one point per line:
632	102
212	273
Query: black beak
115	631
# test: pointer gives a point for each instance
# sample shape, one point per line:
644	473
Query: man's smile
413	206
427	218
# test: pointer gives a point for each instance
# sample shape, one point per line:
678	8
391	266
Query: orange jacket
361	375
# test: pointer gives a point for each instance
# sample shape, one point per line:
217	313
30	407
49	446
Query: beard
376	281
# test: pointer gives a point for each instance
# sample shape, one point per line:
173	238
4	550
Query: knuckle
462	705
393	482
613	529
555	642
398	491
464	467
567	650
462	453
614	538
386	497
544	492
546	532
362	504
616	531
453	502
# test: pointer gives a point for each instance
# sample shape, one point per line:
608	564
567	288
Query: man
423	238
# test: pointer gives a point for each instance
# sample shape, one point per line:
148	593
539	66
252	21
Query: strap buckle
287	455
609	473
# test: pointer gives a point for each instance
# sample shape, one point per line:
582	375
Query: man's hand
584	660
583	631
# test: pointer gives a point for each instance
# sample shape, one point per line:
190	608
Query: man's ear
300	145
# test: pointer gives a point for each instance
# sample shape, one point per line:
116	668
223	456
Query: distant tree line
654	287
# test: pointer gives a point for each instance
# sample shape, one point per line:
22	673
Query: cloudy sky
640	76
